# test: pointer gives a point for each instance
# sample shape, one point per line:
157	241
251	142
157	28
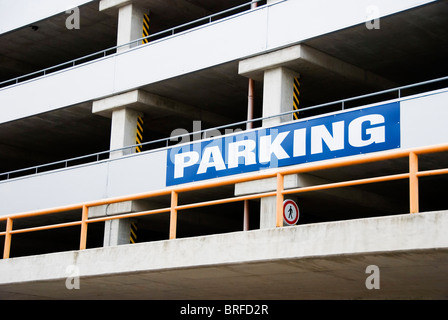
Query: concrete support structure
278	95
277	70
124	109
123	131
130	24
123	134
277	98
130	21
117	232
124	118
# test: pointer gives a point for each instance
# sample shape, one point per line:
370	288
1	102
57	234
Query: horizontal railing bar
362	159
368	95
128	215
347	183
42	212
207	18
51	226
156	193
431	149
435	172
226	200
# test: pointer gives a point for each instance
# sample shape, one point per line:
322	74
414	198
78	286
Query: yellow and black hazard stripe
296	97
133	237
145	27
139	134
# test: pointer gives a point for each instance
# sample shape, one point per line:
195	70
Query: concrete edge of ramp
382	234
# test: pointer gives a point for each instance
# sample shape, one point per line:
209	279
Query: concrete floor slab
318	261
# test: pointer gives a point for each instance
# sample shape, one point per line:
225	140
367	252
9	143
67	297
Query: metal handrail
97	155
413	174
104	52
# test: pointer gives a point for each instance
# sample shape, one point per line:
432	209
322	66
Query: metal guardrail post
413	183
279	196
173	214
83	238
7	245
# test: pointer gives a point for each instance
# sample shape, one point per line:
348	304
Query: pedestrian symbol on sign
290	212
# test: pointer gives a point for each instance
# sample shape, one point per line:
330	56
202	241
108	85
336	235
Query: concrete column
130	25
278	94
123	131
277	98
117	232
268	214
124	119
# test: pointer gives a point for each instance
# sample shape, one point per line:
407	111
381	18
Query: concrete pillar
278	95
117	232
268	215
124	119
123	131
130	26
278	88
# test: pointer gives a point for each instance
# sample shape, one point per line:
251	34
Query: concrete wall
281	24
423	119
423	123
105	179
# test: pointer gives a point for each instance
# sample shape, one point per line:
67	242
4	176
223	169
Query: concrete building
149	149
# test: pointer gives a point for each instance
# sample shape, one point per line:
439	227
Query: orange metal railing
279	193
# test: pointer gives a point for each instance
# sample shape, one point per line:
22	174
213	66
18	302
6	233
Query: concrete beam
302	59
152	104
109	4
119	208
117	232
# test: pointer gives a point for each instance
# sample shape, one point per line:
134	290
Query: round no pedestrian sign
290	212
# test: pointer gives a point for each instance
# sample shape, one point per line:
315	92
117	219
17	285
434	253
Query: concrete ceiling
48	42
409	47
